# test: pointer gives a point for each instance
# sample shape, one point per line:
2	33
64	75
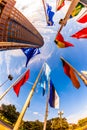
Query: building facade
15	30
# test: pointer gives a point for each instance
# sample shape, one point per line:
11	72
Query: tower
15	30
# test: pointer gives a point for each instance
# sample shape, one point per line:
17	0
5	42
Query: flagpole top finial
10	77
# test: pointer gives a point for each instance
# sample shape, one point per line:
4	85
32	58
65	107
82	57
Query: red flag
69	71
83	18
80	34
21	82
60	41
60	4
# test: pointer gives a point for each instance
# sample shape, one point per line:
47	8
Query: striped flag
21	82
80	34
60	4
69	71
83	18
53	98
84	73
77	10
61	43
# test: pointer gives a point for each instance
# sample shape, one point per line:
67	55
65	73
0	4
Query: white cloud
43	56
28	7
9	55
1	58
15	53
18	69
35	113
77	116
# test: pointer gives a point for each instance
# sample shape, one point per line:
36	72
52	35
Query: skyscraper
15	30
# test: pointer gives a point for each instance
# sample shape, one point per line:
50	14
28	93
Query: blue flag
43	81
30	52
53	98
50	15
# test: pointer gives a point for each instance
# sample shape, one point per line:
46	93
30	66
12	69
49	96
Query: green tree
32	125
48	126
82	122
58	124
9	112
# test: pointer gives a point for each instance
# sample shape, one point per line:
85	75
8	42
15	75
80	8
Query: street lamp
60	113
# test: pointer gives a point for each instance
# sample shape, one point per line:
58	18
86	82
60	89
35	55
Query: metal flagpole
45	10
10	87
56	4
71	8
79	74
47	101
16	127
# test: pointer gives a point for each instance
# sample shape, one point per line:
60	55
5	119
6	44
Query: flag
53	98
47	70
60	4
83	18
84	73
30	52
80	34
43	80
49	15
61	43
21	82
69	71
77	10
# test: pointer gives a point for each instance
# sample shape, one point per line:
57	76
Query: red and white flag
83	18
21	82
80	34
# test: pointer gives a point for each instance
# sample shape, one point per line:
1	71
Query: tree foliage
58	124
32	125
82	122
9	112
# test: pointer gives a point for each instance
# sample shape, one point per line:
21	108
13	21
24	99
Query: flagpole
56	4
79	74
71	8
10	87
45	10
47	101
16	127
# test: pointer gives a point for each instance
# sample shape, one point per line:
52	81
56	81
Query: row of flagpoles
70	71
44	76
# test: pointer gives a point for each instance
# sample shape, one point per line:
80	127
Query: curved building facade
15	30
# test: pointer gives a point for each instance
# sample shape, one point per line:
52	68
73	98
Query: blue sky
72	101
